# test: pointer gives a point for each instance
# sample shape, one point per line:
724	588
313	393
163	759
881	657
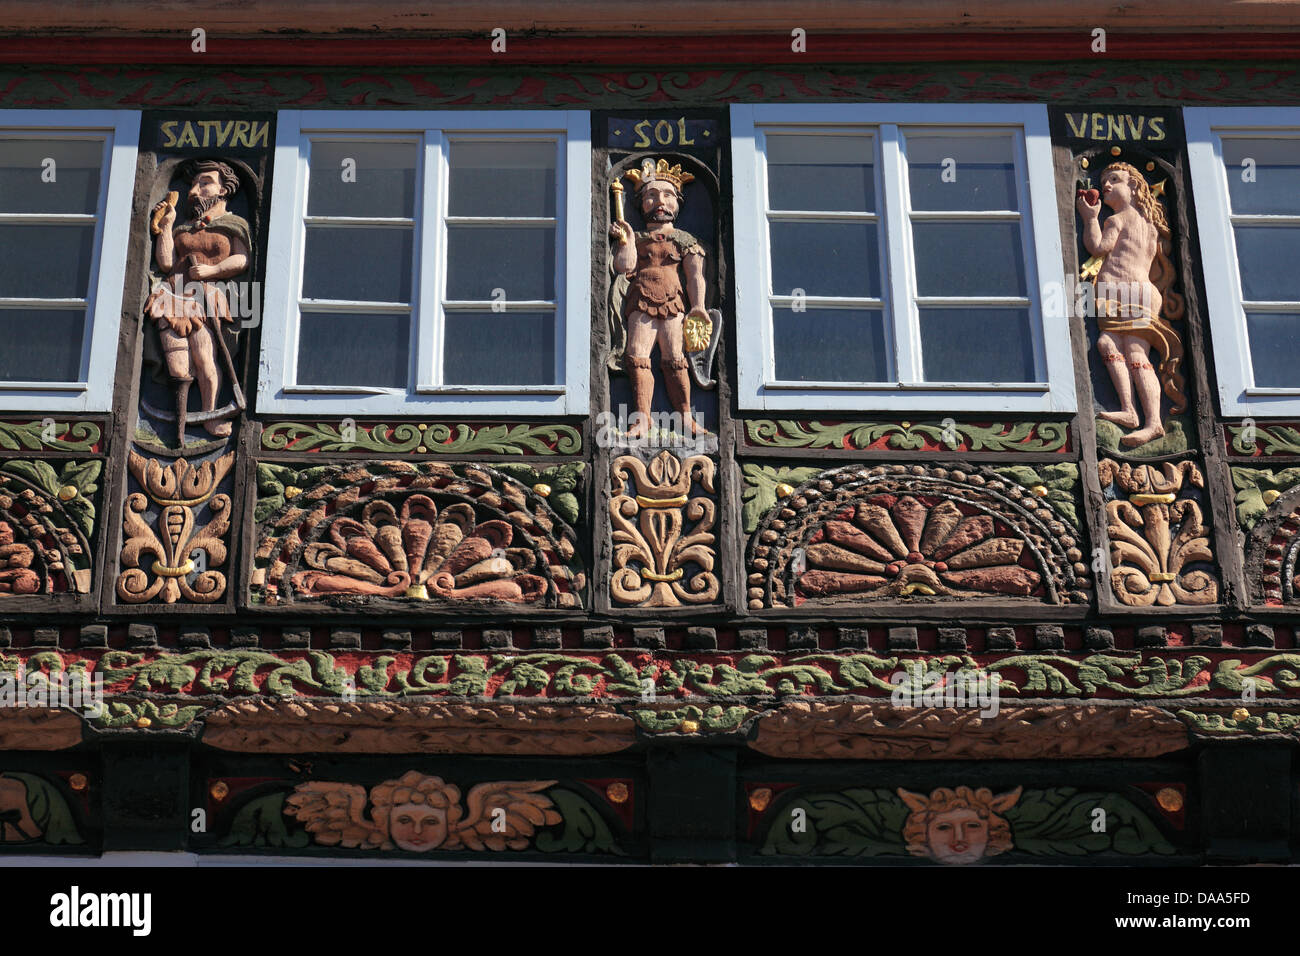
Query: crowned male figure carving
211	246
665	269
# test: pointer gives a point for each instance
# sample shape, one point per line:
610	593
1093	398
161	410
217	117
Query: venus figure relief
665	270
1133	275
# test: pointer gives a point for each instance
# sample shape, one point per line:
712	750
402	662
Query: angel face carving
419	814
417	828
956	827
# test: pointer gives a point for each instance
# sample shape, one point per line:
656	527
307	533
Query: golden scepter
617	187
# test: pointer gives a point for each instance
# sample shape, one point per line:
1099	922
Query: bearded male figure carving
665	269
188	307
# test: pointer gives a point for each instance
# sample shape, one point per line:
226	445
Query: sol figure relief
665	270
1134	301
190	310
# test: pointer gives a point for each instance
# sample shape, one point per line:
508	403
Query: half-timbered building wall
720	434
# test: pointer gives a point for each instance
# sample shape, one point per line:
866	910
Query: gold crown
651	171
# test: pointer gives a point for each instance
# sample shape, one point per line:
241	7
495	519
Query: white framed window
66	179
899	257
1245	165
428	262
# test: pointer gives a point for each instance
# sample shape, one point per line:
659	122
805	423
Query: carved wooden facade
608	616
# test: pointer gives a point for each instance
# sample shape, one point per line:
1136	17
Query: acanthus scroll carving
1157	535
663	538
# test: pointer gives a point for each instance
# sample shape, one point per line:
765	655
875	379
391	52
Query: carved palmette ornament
880	533
160	560
658	560
427	531
1155	535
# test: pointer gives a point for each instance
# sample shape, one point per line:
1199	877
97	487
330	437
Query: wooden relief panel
199	313
428	532
915	533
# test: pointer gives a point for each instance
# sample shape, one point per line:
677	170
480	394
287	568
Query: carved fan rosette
424	532
863	534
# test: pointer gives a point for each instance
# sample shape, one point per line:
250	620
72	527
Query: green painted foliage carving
438	438
261	822
1257	489
1060	481
1061	821
582	829
62	436
82	477
1276	439
759	494
945	435
48	810
563	481
857	822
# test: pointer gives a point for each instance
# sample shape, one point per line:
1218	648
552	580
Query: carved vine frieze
916	532
51	434
427	532
1160	547
47	518
167	555
664	543
438	438
933	436
1262	441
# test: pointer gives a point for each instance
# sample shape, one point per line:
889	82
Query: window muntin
65	198
1245	166
878	274
472	236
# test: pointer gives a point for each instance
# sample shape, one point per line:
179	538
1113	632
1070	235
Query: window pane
1275	188
517	259
384	184
364	265
808	172
351	348
825	258
25	185
1268	258
502	179
982	174
969	258
499	348
41	345
1275	348
45	261
830	345
976	345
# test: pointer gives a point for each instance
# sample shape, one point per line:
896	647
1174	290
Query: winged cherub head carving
419	813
